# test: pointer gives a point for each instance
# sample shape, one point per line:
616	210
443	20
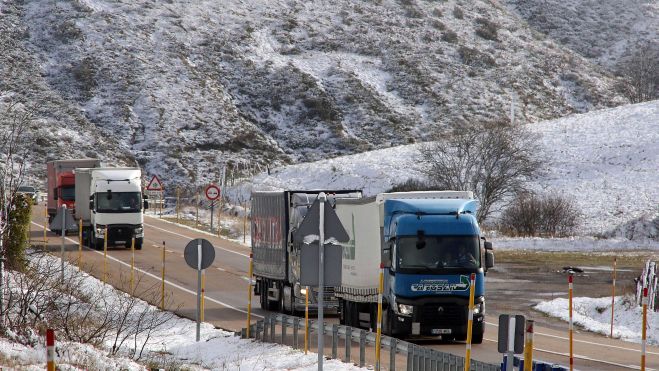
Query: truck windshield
118	202
68	193
438	252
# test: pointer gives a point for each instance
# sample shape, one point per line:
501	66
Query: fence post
284	322
348	344
273	324
410	356
296	326
392	353
335	340
266	325
362	348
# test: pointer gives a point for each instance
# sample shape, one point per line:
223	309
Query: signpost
199	254
156	187
511	337
212	194
65	221
323	223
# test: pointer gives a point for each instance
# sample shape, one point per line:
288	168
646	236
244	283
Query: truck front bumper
446	319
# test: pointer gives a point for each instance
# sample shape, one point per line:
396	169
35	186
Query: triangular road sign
333	227
155	184
70	224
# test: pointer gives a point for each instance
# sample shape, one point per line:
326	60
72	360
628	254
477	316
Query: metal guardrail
418	358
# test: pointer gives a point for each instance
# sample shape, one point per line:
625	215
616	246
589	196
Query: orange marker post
162	285
645	326
45	228
613	293
378	335
132	263
528	346
470	321
105	255
571	324
79	243
50	350
249	293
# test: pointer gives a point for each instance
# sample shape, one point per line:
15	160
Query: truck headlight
405	310
479	308
100	231
139	231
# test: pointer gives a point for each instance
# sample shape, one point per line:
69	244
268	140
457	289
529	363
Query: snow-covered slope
606	161
183	87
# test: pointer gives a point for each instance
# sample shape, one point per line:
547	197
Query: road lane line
586	358
160	278
583	341
192	238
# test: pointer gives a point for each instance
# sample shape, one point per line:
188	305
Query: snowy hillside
183	87
602	31
606	161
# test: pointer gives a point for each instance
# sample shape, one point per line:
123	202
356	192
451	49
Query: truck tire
99	243
477	334
138	243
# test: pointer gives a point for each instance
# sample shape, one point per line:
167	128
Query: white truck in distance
110	199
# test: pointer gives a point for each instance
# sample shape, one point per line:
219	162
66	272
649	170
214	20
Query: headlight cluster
405	310
100	230
479	308
139	231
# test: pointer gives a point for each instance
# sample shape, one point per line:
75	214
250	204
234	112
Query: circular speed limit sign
212	192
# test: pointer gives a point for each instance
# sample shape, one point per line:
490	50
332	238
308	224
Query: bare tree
531	215
15	121
640	72
493	160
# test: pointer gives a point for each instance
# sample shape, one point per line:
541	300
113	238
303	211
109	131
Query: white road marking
160	278
582	341
221	269
192	238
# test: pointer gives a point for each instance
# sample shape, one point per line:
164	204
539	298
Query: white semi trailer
110	199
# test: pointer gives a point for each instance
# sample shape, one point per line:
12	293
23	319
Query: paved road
226	295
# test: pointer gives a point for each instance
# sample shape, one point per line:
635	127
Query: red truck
61	183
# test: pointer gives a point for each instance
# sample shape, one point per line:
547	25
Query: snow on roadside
594	314
172	343
580	243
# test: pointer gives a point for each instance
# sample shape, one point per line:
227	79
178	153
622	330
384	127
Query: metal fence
418	358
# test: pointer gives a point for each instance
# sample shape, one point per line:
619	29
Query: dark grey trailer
275	216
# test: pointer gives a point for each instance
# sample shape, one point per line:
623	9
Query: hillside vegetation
182	88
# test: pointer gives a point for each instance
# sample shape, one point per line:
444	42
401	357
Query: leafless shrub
476	58
530	215
458	13
493	160
640	72
450	37
487	29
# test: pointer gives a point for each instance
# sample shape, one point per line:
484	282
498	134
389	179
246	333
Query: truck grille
120	233
448	316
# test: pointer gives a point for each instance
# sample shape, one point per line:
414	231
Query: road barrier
50	350
535	366
418	358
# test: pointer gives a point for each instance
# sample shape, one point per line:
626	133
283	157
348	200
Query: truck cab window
120	202
439	252
68	193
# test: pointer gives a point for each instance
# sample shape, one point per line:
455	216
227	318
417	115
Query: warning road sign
212	192
155	184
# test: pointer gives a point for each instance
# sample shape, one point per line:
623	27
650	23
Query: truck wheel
99	243
477	334
138	243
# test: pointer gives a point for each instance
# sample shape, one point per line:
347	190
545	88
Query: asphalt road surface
226	285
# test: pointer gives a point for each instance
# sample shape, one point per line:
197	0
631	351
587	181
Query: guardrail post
296	327
392	353
266	327
284	324
335	340
410	356
362	348
273	322
259	329
348	344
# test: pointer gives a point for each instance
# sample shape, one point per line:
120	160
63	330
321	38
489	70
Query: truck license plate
440	331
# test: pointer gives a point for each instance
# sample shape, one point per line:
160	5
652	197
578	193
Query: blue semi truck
429	244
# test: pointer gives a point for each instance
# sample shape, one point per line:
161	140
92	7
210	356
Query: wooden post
245	222
162	286
178	203
105	255
613	292
79	243
45	228
132	263
196	222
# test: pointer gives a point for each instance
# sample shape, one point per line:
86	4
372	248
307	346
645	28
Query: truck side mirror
488	245
489	259
91	202
386	254
55	193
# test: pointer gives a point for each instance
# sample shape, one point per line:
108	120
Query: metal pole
162	285
132	263
196	221
321	279
528	347
203	294
613	292
571	323
63	210
219	218
511	344
249	293
645	326
306	319
178	203
379	320
199	288
79	243
212	212
470	321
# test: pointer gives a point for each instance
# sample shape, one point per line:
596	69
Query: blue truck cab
430	247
